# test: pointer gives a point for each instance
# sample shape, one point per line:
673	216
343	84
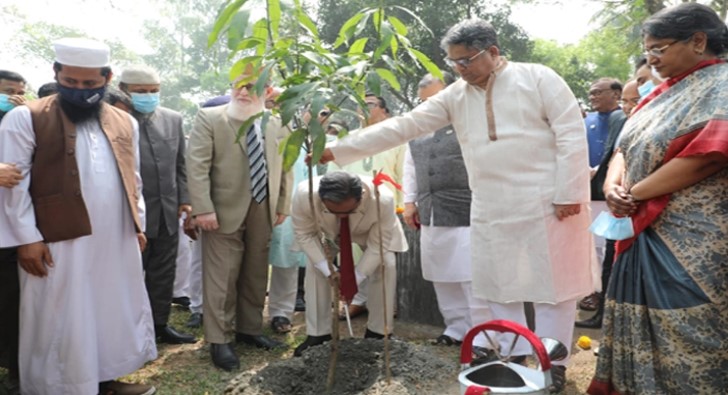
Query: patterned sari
665	328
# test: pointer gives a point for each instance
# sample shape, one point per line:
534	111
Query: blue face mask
5	104
646	88
145	103
82	97
612	228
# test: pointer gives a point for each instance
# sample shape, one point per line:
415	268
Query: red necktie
347	286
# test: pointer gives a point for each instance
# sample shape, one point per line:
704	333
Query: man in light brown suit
239	191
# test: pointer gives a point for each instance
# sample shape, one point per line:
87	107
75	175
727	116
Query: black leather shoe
300	303
223	356
594	322
310	342
167	334
259	341
195	320
181	301
374	335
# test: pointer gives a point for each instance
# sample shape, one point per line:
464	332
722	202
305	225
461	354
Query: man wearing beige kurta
391	163
339	195
522	139
236	217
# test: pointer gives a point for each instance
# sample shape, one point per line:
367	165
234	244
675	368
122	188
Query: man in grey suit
603	126
239	191
164	179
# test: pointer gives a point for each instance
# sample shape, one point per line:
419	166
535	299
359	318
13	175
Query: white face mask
646	88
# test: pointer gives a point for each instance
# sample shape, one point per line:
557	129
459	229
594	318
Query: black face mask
82	97
78	114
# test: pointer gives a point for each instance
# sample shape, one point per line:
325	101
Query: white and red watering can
503	376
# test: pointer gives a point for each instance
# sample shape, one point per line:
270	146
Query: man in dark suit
164	177
602	128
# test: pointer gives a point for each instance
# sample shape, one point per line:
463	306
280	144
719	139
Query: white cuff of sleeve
323	267
359	277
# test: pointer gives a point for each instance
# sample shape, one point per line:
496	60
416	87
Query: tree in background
602	53
191	72
437	17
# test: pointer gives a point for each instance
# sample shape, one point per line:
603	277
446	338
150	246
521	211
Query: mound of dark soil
359	370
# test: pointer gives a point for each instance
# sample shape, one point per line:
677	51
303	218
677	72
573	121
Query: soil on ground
360	370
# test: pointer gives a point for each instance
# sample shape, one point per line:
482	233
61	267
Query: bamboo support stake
334	287
387	368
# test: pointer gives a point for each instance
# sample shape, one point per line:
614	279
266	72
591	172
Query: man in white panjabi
437	202
522	138
78	226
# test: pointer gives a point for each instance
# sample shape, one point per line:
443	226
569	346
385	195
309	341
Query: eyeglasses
658	52
633	101
372	104
462	62
328	210
248	87
597	92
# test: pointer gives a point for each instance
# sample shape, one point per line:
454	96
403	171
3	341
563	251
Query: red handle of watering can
466	350
476	390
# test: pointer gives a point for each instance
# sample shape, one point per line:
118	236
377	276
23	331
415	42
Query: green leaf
223	20
399	27
362	23
265	119
238	28
429	65
263	79
274	17
306	22
387	36
377	18
240	66
417	18
249	42
319	144
292	148
293	99
389	76
246	125
344	32
260	31
358	46
374	83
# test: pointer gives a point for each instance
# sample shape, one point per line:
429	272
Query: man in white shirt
522	137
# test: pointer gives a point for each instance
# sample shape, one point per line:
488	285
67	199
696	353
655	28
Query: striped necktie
258	170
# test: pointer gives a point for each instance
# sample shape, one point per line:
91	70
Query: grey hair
338	186
682	21
428	79
472	33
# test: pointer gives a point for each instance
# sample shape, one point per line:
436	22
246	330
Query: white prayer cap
141	75
81	52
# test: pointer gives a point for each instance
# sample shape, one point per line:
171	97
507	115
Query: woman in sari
666	319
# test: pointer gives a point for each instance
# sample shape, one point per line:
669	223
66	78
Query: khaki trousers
235	276
318	298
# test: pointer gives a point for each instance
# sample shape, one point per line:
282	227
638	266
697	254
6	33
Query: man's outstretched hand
326	157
